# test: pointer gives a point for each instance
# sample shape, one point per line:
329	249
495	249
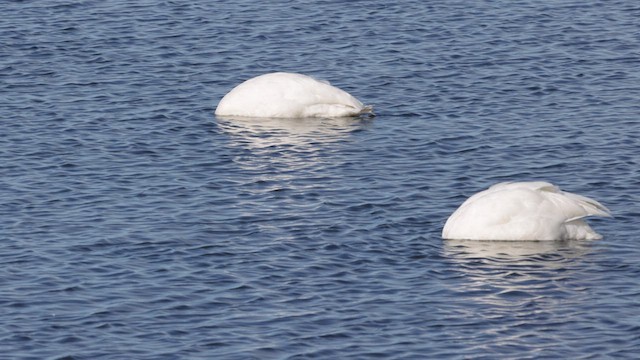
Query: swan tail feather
367	110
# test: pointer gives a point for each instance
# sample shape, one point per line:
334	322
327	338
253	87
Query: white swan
287	95
533	210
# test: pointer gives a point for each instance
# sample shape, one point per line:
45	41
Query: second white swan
534	210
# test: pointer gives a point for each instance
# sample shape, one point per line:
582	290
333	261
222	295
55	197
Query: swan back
289	95
534	210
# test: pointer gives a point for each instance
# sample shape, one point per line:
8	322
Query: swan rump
534	210
288	95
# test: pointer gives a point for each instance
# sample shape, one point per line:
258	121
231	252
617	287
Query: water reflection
284	167
518	293
514	251
518	279
258	133
286	150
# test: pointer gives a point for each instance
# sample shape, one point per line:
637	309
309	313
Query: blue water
134	224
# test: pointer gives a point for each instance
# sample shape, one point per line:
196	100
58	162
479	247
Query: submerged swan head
289	95
534	210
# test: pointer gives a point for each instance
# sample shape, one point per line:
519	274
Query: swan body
288	95
534	210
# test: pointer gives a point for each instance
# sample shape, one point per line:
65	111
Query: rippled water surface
134	224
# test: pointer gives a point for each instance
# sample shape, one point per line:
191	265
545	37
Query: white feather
534	210
287	95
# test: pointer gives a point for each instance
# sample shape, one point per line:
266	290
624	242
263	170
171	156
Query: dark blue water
134	224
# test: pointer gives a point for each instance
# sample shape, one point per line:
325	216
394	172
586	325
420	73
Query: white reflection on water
524	281
285	152
282	160
258	133
515	251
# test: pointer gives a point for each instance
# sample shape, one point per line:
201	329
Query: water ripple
136	224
